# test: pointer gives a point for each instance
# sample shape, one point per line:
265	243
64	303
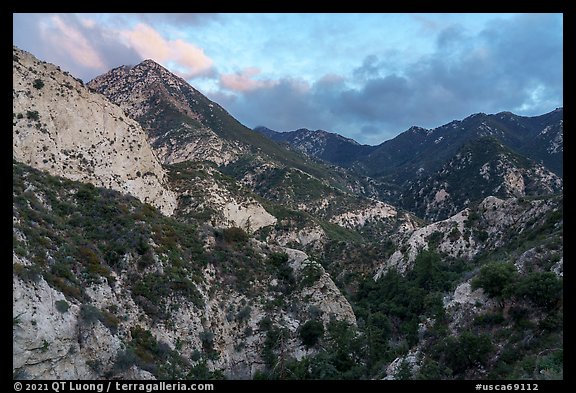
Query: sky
365	76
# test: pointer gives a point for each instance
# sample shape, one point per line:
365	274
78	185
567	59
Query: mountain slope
398	158
138	295
107	287
480	168
185	126
61	127
327	146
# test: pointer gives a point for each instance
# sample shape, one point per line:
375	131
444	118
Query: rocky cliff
63	128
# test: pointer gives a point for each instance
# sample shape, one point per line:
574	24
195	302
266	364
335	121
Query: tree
469	350
543	289
311	332
497	279
427	271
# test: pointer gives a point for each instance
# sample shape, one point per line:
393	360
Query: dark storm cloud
511	65
287	105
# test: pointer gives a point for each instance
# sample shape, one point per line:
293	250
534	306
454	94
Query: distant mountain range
413	163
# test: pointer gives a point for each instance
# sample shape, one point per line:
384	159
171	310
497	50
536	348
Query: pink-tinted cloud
66	38
191	60
242	81
331	79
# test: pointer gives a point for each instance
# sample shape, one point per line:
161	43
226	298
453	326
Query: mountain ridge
401	166
271	265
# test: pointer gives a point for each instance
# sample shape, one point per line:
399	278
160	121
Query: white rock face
251	216
324	293
464	304
451	236
45	341
306	236
440	196
359	218
229	207
514	182
412	359
68	131
500	214
201	145
49	344
455	246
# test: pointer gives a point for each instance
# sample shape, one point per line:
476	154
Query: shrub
244	314
469	350
435	238
27	273
38	83
310	274
311	332
33	115
89	313
110	320
125	360
234	235
207	339
496	279
454	234
62	306
543	289
489	319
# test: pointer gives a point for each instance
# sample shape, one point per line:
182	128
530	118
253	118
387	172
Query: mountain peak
149	63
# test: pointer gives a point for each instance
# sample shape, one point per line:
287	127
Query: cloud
76	44
71	40
87	48
284	105
191	60
512	65
242	81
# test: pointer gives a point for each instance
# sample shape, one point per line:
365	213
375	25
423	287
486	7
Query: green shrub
311	332
467	351
38	83
310	274
32	115
89	313
62	306
207	340
244	314
110	320
234	235
27	273
489	319
543	289
497	279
